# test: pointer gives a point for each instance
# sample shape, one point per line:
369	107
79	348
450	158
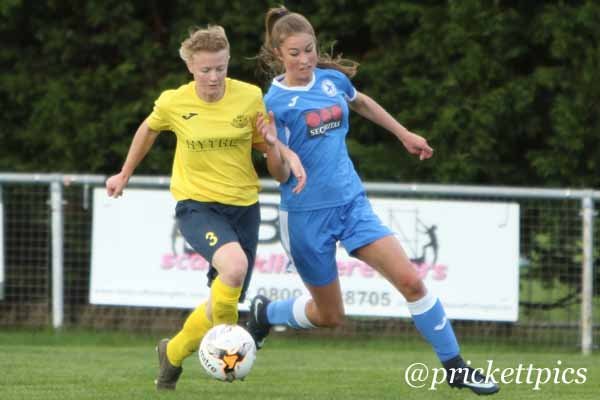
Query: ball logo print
227	352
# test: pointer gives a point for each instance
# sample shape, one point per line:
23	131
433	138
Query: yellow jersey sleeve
158	120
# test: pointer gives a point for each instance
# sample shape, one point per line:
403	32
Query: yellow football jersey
213	160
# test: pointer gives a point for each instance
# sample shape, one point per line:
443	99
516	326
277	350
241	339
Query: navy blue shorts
310	237
208	226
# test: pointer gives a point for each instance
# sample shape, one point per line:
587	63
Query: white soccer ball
227	352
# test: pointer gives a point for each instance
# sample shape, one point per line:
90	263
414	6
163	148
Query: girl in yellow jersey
213	181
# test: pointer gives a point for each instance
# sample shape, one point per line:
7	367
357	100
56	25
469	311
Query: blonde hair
212	39
279	25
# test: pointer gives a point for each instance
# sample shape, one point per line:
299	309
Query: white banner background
139	259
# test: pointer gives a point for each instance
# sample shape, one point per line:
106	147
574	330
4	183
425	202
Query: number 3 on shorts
212	238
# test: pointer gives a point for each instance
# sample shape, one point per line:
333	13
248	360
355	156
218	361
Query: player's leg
209	232
369	242
387	257
232	264
308	240
323	308
233	261
247	223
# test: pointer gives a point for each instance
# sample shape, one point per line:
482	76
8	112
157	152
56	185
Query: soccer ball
227	352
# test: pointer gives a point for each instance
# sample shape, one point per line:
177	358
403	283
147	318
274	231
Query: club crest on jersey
328	87
240	121
320	121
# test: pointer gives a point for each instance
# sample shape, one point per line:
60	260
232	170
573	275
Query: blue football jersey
313	121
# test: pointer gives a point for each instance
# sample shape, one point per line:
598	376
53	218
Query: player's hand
417	145
266	128
296	169
115	184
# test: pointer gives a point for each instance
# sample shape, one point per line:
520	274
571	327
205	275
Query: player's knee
412	287
234	274
234	271
232	267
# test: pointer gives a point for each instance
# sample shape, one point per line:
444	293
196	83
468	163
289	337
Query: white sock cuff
299	310
422	305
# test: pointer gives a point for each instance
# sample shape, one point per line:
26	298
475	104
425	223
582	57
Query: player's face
209	70
299	56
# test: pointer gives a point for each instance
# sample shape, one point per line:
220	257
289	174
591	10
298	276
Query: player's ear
189	64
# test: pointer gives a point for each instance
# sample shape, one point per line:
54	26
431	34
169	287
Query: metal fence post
56	202
587	275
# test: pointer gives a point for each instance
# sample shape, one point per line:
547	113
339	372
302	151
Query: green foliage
481	80
503	90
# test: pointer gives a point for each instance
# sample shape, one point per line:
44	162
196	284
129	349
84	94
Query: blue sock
430	319
280	312
290	312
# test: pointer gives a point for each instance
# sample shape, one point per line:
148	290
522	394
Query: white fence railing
580	239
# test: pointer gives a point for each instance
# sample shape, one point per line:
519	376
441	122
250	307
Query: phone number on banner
350	297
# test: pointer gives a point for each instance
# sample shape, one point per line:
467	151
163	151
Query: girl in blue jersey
309	105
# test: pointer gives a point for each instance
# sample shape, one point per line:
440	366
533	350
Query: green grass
85	365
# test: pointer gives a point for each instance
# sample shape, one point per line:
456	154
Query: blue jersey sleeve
345	85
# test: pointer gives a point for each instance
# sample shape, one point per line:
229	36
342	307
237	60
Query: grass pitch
86	365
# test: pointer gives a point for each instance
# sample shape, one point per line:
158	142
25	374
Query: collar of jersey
210	103
277	82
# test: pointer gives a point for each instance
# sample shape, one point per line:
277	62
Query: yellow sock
188	339
224	302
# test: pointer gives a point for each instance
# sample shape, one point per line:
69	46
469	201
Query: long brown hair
279	25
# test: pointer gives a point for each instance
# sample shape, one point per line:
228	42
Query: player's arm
370	109
281	161
142	141
276	164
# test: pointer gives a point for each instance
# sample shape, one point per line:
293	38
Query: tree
503	90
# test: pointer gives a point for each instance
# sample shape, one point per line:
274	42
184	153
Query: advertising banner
467	253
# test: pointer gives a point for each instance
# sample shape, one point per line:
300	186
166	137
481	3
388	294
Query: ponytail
273	15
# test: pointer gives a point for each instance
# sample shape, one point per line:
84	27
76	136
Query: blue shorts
208	226
310	237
